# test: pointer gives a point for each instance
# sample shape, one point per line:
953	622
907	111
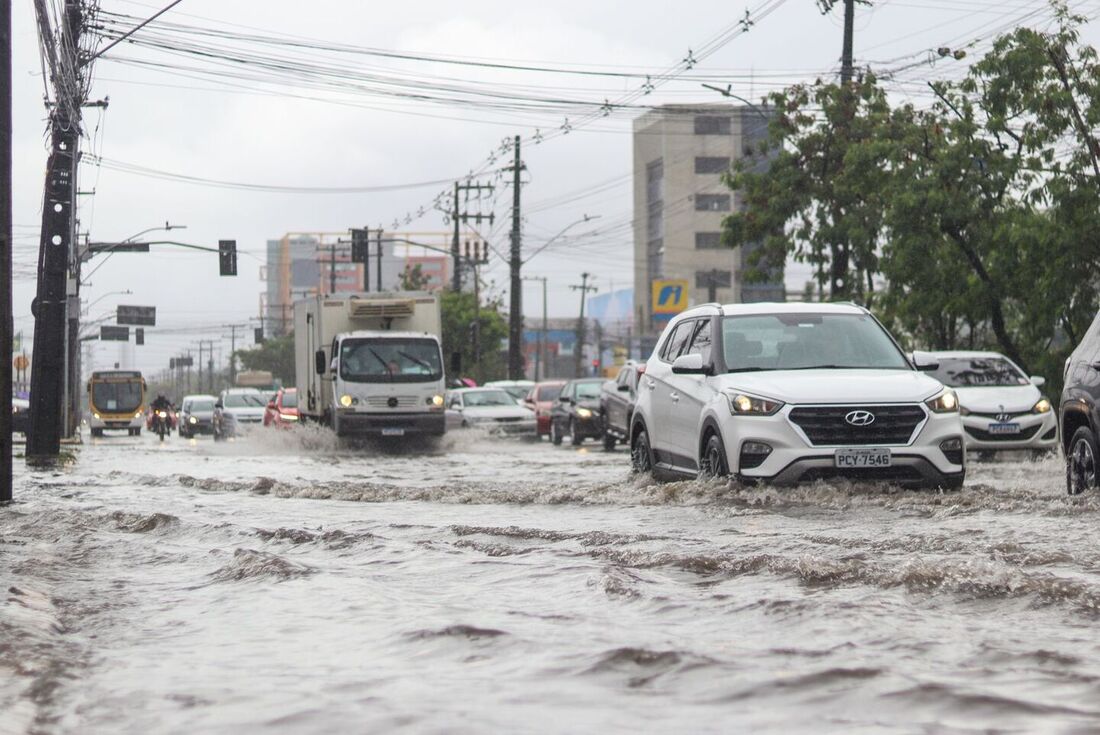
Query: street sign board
186	361
139	336
670	297
138	316
114	334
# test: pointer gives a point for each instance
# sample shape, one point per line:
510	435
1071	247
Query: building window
712	125
712	202
708	240
713	278
712	164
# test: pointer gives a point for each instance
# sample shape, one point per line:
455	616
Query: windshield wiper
379	358
417	360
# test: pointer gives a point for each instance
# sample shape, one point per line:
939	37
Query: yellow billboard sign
670	296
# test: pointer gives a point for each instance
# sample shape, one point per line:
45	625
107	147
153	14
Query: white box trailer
371	364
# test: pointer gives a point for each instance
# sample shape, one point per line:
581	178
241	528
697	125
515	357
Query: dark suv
576	413
1080	418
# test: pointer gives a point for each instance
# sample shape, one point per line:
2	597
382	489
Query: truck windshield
117	397
390	360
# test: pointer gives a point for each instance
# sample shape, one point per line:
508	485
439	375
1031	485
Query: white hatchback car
1001	407
786	393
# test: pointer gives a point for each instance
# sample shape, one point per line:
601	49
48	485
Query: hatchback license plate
857	458
393	432
1004	429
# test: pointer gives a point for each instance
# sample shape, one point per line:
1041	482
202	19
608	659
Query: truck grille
384	401
827	426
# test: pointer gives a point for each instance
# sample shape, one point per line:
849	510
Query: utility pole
332	270
459	216
578	348
540	356
6	323
232	354
378	262
48	373
515	309
849	32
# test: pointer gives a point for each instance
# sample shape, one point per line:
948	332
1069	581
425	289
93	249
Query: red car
282	411
541	399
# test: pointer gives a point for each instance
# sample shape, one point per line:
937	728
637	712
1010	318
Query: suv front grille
827	426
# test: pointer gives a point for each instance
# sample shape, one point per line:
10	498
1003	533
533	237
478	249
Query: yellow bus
116	400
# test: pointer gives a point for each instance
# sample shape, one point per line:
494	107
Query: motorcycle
160	423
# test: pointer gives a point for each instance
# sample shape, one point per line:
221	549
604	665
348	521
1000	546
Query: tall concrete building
680	153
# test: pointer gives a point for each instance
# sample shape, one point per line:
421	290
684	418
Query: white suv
785	393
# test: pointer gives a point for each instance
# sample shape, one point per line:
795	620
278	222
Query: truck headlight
584	413
1043	406
346	401
945	402
436	400
746	405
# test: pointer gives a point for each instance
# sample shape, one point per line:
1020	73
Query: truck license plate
393	432
857	458
1004	429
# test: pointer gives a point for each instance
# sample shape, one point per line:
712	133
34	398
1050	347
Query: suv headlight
1043	406
584	413
945	402
742	404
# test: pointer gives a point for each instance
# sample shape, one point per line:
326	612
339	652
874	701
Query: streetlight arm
586	218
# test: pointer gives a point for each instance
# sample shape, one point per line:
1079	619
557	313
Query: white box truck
371	364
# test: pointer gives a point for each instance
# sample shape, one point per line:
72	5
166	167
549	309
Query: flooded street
281	583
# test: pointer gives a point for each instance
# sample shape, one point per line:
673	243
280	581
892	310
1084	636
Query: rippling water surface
280	583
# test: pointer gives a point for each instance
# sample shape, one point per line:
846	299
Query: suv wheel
713	462
555	433
575	437
641	460
609	441
1081	462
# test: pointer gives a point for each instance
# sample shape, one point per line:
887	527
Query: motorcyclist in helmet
161	403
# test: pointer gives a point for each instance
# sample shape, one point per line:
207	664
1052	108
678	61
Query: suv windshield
487	398
390	360
807	341
978	371
245	400
590	389
549	392
196	406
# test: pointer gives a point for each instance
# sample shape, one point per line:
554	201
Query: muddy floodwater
279	583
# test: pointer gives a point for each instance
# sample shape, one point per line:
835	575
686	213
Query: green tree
413	279
275	355
462	319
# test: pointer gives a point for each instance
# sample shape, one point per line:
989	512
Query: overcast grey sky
182	121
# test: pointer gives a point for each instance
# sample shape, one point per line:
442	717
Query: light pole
540	365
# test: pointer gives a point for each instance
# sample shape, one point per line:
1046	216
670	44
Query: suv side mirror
565	399
1038	381
690	365
924	361
624	388
319	361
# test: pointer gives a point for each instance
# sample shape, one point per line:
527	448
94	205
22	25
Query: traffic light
360	246
227	257
258	335
139	336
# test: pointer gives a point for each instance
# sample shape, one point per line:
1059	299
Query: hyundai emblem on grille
860	418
